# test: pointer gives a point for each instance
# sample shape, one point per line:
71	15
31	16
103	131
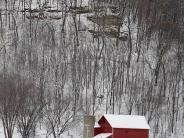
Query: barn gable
104	121
104	124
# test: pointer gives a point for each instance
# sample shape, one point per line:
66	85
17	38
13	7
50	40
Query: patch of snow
127	121
97	125
103	135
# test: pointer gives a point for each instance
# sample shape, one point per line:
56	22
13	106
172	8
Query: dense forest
62	59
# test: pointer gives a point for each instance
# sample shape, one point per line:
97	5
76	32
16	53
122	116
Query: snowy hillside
63	59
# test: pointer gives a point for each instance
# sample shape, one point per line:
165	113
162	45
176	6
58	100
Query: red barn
121	126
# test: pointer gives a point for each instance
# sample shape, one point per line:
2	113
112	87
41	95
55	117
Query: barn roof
103	135
127	121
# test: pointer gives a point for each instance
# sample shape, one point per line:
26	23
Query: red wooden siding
130	133
97	131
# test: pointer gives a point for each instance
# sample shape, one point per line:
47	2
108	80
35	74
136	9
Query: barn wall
130	133
97	131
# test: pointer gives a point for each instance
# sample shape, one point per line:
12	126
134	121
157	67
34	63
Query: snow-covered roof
127	121
103	135
96	125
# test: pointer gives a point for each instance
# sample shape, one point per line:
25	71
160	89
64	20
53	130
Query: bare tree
31	108
9	105
58	116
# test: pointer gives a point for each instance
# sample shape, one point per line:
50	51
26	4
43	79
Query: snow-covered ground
75	132
15	135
